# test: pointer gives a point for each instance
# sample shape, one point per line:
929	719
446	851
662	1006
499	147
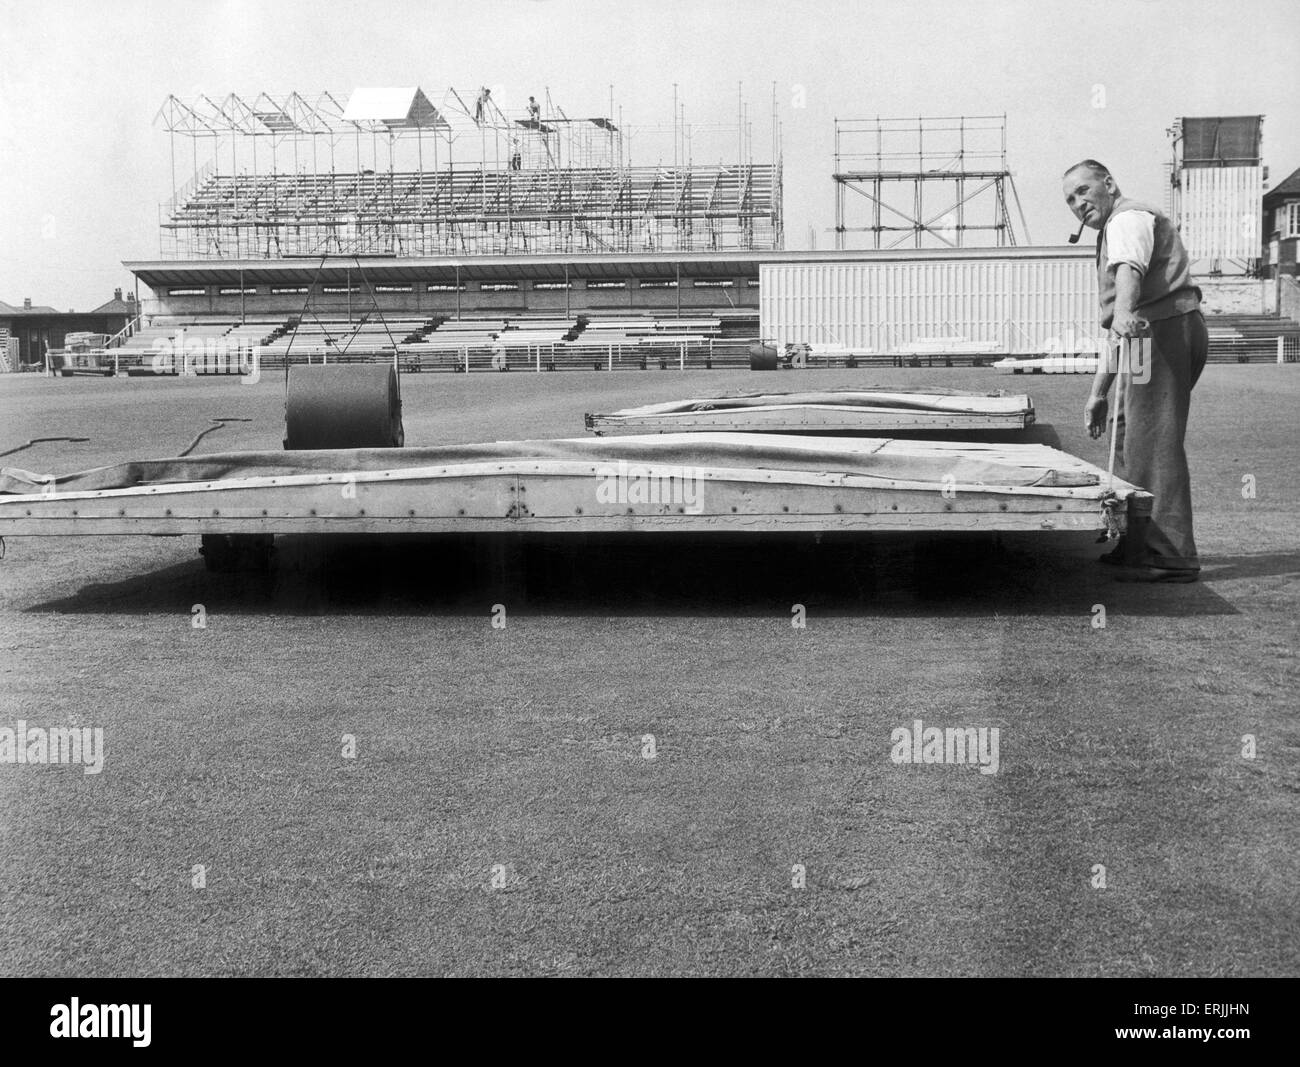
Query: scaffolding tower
393	173
930	181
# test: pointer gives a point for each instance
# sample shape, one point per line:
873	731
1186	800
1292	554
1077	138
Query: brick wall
1236	296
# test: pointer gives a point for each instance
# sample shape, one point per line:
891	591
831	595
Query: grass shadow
880	575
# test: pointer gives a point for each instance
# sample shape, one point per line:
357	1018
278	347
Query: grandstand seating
471	209
533	340
1247	338
538	340
142	345
360	337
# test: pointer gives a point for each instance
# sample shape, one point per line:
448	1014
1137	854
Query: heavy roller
326	407
342	406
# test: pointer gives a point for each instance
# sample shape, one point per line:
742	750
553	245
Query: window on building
1291	220
498	287
600	284
332	289
392	288
187	292
657	284
440	287
713	283
235	291
552	285
288	290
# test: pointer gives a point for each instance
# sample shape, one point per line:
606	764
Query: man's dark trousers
1151	429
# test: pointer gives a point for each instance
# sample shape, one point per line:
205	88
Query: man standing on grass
1144	277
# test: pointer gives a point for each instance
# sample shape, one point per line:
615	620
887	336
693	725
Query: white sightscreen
1219	215
1020	303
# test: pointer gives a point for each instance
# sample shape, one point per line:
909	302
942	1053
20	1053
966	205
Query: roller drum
333	406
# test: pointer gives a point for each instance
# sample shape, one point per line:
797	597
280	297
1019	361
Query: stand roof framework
391	172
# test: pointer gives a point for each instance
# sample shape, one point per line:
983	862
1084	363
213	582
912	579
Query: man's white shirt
1131	238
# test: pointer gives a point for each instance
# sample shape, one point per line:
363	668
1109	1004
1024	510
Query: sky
84	166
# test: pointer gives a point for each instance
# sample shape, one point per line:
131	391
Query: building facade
1282	226
38	328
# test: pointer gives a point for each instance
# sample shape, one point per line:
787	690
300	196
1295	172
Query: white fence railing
1281	349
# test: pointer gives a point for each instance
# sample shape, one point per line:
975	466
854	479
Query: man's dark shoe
1115	557
1157	574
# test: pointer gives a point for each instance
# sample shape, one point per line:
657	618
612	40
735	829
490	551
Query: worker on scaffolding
481	104
516	159
534	113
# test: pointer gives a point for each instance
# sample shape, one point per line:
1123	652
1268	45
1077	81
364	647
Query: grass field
500	815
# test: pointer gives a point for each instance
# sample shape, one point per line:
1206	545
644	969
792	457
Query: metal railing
1280	349
711	353
132	324
667	354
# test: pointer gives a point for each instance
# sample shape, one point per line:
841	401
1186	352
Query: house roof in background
1288	186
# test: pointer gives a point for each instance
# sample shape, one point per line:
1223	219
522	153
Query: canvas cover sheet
915	461
949	403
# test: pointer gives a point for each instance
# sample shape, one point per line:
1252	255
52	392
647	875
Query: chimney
130	298
27	303
117	294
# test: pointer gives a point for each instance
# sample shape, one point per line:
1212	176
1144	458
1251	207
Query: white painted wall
1015	300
